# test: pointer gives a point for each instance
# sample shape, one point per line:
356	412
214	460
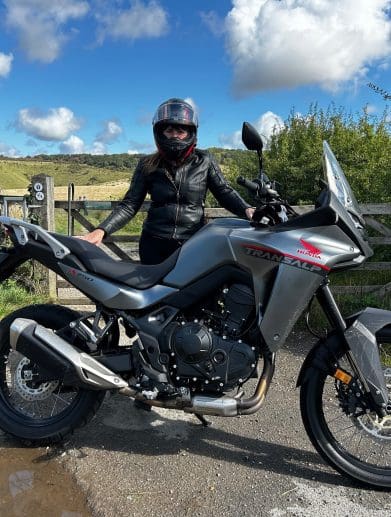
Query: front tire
40	413
354	442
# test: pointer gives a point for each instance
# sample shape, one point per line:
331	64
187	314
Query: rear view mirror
251	138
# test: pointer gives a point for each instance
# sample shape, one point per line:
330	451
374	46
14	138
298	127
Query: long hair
156	160
152	162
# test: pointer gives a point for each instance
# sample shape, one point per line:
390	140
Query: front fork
362	349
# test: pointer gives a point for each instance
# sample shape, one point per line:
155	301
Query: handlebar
258	187
249	185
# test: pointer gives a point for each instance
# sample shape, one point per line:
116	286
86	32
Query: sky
87	75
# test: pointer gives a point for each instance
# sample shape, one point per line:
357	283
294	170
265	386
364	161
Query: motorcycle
202	323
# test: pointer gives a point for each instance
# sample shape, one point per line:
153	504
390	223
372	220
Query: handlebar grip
250	185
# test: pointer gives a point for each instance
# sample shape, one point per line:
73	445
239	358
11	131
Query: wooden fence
42	206
80	210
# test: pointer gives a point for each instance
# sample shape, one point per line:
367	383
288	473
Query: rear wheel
352	439
40	412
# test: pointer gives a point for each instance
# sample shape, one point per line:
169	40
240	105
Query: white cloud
73	145
9	150
98	148
57	124
141	20
289	43
214	23
111	131
5	64
266	125
232	141
370	109
39	25
140	148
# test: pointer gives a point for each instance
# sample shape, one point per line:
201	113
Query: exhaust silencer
61	359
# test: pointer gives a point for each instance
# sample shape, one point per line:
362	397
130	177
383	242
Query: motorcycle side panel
205	251
299	258
304	257
113	295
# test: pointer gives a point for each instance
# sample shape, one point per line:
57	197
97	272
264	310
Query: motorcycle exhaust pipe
217	406
60	359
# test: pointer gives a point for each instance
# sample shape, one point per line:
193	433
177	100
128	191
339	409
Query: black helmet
175	112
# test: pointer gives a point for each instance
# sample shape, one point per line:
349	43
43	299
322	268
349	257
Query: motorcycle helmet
170	113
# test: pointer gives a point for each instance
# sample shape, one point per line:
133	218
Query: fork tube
328	304
326	299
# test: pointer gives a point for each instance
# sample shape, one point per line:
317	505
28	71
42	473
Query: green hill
17	173
86	169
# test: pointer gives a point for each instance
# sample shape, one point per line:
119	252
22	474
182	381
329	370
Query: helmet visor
176	112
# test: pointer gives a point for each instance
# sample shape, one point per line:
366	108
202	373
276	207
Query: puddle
33	484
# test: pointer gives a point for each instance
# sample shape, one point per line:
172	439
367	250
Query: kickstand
203	420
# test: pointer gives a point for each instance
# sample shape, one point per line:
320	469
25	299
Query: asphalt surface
129	462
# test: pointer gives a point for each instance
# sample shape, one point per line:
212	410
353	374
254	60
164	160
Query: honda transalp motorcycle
200	324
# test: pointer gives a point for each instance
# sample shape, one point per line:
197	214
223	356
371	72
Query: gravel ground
133	463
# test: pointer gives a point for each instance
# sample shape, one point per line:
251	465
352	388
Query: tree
361	143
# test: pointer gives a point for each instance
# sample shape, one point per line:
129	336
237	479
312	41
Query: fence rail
79	209
45	206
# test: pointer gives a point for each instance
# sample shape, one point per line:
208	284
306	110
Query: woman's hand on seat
250	212
94	237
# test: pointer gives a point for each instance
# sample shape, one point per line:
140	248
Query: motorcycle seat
126	272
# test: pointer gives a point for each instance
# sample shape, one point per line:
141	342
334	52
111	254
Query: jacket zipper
177	199
177	188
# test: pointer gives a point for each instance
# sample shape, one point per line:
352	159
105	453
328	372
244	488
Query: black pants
154	250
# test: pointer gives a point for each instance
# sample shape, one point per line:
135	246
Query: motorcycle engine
207	354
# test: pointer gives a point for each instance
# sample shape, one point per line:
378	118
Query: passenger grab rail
21	229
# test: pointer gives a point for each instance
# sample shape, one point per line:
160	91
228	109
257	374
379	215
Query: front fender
363	343
365	330
322	356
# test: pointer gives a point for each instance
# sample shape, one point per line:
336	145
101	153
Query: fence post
42	201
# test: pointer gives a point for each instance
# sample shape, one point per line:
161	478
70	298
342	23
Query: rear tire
355	443
33	412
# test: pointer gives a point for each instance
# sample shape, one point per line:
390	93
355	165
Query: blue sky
87	75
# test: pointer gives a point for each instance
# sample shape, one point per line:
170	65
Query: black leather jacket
177	199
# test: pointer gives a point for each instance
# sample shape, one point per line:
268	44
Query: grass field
112	191
13	296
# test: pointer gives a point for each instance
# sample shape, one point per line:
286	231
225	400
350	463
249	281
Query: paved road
133	463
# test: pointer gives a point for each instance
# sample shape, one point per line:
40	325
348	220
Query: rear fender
10	260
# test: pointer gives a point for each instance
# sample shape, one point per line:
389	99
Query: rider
177	177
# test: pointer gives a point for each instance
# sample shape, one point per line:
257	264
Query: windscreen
339	185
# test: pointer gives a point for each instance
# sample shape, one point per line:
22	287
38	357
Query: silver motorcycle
201	324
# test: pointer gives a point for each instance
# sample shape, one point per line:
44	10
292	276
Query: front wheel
351	438
40	412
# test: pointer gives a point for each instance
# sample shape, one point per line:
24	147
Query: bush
362	145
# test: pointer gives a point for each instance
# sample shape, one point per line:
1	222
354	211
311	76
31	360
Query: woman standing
177	177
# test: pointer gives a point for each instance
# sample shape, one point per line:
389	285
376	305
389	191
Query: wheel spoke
37	401
351	438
